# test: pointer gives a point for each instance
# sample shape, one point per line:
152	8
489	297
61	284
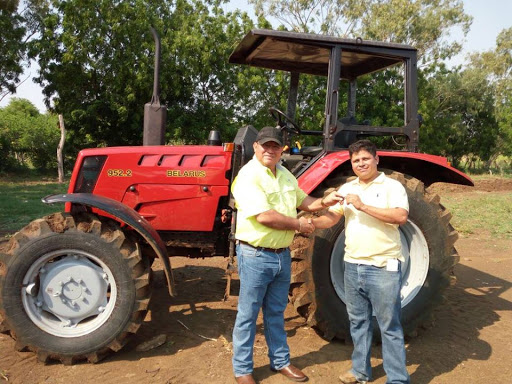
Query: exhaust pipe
155	114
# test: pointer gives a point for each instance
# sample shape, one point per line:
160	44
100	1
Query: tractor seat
310	151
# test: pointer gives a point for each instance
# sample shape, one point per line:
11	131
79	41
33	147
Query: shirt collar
378	180
279	167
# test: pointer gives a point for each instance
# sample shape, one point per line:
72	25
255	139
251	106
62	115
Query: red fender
427	168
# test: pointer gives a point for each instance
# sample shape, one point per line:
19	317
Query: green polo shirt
257	190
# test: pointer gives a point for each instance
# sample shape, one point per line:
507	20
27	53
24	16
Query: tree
331	17
424	24
12	47
496	65
27	137
459	116
96	61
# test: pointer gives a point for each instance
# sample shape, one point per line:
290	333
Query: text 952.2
119	172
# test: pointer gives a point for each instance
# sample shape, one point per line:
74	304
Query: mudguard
427	168
125	215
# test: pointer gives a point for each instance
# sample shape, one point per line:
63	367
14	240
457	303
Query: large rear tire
317	289
72	288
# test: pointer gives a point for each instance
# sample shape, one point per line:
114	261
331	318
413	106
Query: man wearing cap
267	197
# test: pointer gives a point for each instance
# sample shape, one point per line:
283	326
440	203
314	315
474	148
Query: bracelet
323	204
300	227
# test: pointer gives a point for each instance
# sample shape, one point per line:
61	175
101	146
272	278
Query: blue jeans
370	288
264	283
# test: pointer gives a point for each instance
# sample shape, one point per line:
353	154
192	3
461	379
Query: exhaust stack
155	114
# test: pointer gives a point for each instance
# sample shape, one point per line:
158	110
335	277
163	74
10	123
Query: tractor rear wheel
317	289
72	288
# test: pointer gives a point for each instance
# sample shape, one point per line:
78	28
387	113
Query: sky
490	17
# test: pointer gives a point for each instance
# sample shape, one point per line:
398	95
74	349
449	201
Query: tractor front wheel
72	288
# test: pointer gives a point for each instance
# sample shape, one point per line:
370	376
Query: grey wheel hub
69	293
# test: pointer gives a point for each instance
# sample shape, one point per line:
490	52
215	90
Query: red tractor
75	285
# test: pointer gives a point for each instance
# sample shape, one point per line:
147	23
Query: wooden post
60	147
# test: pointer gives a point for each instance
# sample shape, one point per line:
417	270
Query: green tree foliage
496	65
27	137
12	46
459	116
424	24
97	58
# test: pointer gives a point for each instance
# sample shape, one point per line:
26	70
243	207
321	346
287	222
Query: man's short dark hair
365	145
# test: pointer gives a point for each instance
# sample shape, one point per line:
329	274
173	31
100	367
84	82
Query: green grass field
20	202
481	212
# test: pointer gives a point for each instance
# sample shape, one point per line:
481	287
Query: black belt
276	250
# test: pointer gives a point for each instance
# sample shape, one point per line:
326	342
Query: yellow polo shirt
369	240
257	190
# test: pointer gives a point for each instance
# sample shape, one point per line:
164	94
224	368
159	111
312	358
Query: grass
481	212
20	202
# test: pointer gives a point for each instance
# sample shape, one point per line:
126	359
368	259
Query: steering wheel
284	121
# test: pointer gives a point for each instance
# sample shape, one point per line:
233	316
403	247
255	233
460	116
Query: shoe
245	379
291	372
349	378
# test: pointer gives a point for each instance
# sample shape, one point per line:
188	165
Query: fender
427	168
126	215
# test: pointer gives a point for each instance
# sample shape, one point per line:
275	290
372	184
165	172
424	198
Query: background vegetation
96	69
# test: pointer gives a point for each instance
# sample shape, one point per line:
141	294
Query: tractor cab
342	62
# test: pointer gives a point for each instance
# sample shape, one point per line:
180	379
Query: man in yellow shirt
267	196
374	207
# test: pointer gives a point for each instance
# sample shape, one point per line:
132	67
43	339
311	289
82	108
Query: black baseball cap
267	134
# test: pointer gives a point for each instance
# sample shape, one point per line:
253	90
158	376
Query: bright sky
490	17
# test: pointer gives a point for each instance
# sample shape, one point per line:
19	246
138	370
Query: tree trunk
60	147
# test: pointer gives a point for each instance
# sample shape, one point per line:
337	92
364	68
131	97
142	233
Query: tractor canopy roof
310	53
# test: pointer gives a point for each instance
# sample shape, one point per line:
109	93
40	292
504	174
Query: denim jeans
264	283
370	288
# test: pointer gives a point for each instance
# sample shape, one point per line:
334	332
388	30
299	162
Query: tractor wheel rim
69	293
414	269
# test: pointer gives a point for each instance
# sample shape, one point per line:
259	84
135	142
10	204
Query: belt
276	250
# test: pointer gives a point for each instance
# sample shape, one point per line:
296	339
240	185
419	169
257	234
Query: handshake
306	226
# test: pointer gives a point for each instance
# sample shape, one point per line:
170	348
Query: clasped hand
306	226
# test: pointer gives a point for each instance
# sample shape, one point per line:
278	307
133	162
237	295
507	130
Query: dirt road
468	342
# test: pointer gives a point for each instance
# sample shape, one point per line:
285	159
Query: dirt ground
469	341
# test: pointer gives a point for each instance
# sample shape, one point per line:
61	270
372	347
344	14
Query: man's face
268	154
364	165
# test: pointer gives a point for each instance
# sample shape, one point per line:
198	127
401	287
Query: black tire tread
110	232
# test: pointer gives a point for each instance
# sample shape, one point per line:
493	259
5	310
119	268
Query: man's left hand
332	198
355	200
